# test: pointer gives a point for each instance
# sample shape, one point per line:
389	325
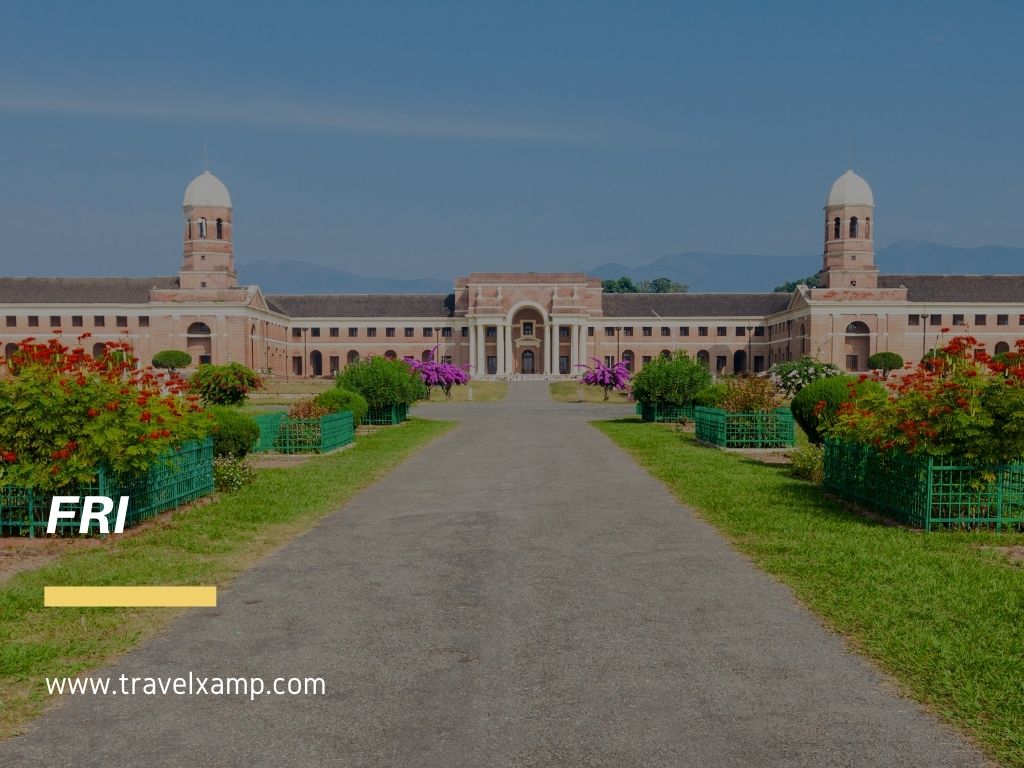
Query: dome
207	190
850	189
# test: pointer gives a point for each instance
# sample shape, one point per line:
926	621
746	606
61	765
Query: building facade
518	324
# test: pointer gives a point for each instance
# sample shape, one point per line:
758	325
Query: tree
814	281
885	362
608	377
621	285
663	285
172	359
224	384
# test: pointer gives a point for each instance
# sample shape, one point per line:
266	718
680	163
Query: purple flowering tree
615	377
435	374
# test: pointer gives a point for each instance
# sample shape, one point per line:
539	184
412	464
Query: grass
569	392
942	612
207	544
483	392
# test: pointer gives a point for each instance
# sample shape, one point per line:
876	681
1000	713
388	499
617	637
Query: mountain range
703	272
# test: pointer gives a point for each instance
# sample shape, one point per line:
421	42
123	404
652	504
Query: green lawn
569	392
208	544
942	612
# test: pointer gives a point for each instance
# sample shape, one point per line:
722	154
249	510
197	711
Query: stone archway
739	361
857	346
316	363
527	332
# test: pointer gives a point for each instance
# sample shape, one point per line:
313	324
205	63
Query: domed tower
209	259
849	251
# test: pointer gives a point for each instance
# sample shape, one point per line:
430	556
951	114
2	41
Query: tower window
202	229
837	228
853	227
867	227
220	229
190	229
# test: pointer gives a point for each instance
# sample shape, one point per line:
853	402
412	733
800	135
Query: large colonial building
506	324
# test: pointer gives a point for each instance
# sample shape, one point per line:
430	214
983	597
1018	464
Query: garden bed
282	434
771	429
925	491
176	478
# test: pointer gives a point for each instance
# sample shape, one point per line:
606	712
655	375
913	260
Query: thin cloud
304	117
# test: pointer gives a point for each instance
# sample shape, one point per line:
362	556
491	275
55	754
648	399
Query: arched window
316	363
853	227
190	229
867	227
220	229
426	356
202	229
704	357
1002	347
666	354
857	327
199	329
628	358
390	355
353	356
99	349
837	228
9	350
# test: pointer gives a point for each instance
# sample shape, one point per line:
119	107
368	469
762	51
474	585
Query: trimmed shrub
338	399
885	362
674	380
383	382
815	406
750	394
234	433
172	359
712	396
224	384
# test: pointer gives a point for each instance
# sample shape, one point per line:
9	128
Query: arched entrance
98	349
9	350
739	361
353	357
316	363
857	346
629	358
704	357
527	362
199	342
390	355
1002	347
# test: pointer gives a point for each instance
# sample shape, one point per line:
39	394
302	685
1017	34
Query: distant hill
703	272
303	277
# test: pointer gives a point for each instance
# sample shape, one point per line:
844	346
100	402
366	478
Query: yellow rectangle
130	597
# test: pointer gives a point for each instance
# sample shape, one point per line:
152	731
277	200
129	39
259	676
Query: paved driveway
519	594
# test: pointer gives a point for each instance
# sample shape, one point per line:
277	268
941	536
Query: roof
958	288
207	190
364	305
850	189
693	304
81	290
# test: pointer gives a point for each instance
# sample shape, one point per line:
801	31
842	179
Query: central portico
528	323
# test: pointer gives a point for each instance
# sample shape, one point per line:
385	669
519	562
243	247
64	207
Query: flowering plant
64	414
435	374
958	402
750	394
614	377
791	376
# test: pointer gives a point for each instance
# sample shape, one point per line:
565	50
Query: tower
849	260
209	259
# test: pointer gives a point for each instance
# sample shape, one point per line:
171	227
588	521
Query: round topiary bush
172	359
885	362
234	433
383	382
815	406
338	399
674	380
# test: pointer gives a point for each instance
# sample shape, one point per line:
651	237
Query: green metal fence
924	491
774	429
393	414
665	412
176	478
282	434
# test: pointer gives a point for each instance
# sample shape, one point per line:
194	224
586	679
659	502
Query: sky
435	139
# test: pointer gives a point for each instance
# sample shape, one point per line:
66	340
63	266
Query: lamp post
305	355
924	334
750	348
617	353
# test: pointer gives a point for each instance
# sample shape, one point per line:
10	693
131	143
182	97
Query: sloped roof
364	304
693	304
954	288
81	290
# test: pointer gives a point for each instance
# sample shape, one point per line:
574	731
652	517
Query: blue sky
433	139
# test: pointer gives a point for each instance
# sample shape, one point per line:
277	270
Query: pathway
519	594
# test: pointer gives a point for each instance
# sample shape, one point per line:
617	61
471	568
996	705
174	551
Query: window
702	330
627	331
492	364
853	227
852	363
720	363
741	331
12	321
609	360
334	363
428	333
590	331
1020	320
446	333
143	321
933	320
54	321
609	331
99	321
563	363
446	359
684	330
371	332
645	359
202	229
758	363
353	333
721	330
76	321
1002	319
913	320
389	332
314	332
981	319
759	331
492	332
409	332
837	228
33	321
296	333
335	332
121	321
203	284
563	331
220	229
647	330
958	319
465	331
527	329
666	331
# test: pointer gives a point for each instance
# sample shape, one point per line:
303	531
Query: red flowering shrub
224	384
958	402
65	413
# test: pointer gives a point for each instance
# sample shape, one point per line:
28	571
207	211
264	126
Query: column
574	349
481	348
501	369
582	349
509	349
547	347
472	350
